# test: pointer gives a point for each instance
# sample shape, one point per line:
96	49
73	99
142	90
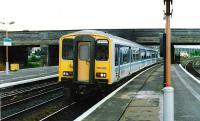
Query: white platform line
4	85
92	109
189	74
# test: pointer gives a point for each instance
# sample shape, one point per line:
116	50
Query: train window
102	50
148	54
124	55
121	56
67	49
133	56
116	55
156	54
137	56
153	54
142	54
84	52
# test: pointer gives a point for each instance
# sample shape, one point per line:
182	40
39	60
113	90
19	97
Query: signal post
168	99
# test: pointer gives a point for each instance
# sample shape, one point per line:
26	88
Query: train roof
111	36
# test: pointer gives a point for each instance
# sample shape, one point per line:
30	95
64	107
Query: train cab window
84	52
67	49
102	53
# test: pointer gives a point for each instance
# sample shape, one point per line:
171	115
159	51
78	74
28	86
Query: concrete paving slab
145	102
134	114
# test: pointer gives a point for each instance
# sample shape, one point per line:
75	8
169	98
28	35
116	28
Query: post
7	63
168	99
168	104
168	52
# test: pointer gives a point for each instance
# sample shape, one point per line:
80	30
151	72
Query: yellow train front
84	60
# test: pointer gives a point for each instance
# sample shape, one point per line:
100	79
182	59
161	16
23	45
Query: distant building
187	50
184	54
34	49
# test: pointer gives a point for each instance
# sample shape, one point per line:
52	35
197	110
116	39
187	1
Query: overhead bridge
142	36
24	39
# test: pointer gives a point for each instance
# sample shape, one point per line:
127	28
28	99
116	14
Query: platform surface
134	102
186	96
25	74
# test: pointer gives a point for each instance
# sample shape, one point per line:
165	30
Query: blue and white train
92	57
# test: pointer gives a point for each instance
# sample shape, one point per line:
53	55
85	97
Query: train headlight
67	73
101	75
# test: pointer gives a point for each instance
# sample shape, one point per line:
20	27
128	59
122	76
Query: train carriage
92	57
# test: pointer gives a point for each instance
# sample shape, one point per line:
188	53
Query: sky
96	14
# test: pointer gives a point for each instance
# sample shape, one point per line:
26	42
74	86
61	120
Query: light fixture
168	7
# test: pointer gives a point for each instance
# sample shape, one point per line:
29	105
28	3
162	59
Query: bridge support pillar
18	54
2	58
172	54
53	55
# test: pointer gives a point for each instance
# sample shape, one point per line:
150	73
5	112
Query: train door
83	61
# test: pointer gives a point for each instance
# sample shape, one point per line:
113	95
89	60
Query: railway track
18	103
53	115
73	110
189	67
23	87
18	95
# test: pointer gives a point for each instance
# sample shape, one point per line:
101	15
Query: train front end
85	59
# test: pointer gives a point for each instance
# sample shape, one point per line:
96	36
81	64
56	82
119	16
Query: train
91	58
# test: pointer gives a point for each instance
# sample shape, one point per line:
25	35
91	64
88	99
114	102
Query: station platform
31	74
186	95
139	99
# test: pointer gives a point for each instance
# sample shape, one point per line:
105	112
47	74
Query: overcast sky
96	14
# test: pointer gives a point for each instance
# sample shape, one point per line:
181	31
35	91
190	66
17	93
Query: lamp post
168	98
7	62
168	13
